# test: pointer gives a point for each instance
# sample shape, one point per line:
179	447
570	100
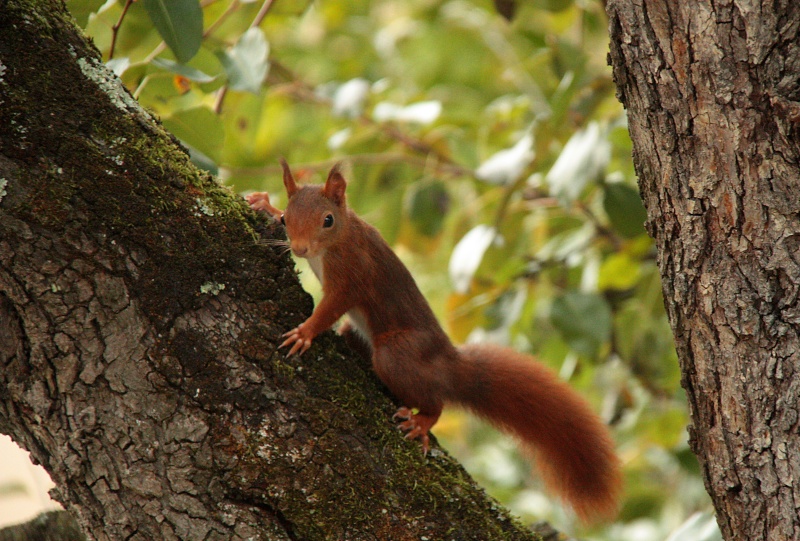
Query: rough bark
712	91
139	318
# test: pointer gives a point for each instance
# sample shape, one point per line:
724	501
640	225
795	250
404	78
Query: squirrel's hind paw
416	426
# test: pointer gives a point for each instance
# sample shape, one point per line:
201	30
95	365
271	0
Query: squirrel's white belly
359	322
316	266
357	318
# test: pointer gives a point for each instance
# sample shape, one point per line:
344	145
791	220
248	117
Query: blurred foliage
485	141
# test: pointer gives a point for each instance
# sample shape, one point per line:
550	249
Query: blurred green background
491	153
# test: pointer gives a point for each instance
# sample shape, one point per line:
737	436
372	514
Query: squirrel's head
315	215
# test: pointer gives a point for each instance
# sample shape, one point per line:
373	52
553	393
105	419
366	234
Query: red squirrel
412	355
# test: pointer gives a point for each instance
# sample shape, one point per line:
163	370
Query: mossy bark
139	318
712	91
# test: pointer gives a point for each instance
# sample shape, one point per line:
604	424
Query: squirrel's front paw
299	339
259	201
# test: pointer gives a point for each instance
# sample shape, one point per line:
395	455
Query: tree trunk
712	91
139	318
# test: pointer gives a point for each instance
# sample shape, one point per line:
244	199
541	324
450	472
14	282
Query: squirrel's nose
300	251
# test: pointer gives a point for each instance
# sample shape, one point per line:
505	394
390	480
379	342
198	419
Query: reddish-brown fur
413	356
570	445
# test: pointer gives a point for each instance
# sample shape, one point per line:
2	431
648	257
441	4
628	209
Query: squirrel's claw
295	338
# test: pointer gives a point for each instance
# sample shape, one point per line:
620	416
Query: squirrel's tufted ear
288	179
335	186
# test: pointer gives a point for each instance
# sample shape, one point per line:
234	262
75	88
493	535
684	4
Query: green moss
283	370
340	397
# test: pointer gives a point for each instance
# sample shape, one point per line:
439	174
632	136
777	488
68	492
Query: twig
602	230
265	7
221	93
116	27
262	12
232	7
303	91
360	159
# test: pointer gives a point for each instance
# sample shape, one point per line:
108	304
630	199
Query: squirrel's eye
328	221
283	219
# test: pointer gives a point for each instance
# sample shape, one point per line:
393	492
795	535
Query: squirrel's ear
288	179
335	186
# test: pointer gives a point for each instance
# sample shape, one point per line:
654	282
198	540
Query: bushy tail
572	448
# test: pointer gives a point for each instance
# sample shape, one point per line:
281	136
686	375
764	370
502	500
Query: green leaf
83	9
570	245
583	319
180	23
201	160
643	343
199	128
183	70
246	62
625	209
582	160
553	5
619	271
428	206
468	254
